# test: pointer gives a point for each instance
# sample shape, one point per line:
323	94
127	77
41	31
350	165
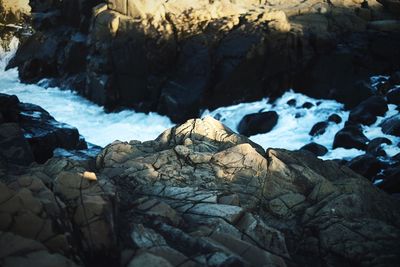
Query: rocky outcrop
29	133
198	195
177	57
14	11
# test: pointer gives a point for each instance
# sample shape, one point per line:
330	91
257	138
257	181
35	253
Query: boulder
350	136
391	181
391	125
366	165
29	129
366	112
317	149
393	96
258	123
374	146
14	148
335	118
319	128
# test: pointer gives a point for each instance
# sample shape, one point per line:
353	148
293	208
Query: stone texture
179	57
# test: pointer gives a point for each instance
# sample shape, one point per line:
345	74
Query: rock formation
29	133
14	11
177	57
198	195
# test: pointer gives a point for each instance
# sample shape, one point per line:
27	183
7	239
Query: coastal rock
258	123
375	146
367	111
351	136
178	58
319	128
366	165
29	133
201	195
335	118
316	149
12	11
295	183
391	125
393	96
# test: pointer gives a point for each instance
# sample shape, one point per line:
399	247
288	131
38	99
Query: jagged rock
201	195
350	136
19	251
366	112
391	125
316	149
12	11
191	56
294	187
31	133
258	123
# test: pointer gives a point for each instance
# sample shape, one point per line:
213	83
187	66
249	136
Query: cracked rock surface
198	195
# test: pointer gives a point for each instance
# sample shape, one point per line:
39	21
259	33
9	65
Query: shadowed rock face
29	133
176	57
201	195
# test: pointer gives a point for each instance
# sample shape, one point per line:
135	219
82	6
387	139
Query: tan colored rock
91	176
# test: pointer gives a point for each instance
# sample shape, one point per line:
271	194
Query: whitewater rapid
101	128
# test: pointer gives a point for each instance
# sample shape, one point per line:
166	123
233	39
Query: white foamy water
295	122
100	128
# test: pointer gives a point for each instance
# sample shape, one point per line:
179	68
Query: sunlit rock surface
198	195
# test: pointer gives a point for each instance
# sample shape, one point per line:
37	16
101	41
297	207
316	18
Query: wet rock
319	128
36	127
218	55
374	146
391	181
366	112
366	165
393	96
201	195
9	108
307	105
350	136
317	149
335	118
292	102
258	123
14	148
391	125
148	259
